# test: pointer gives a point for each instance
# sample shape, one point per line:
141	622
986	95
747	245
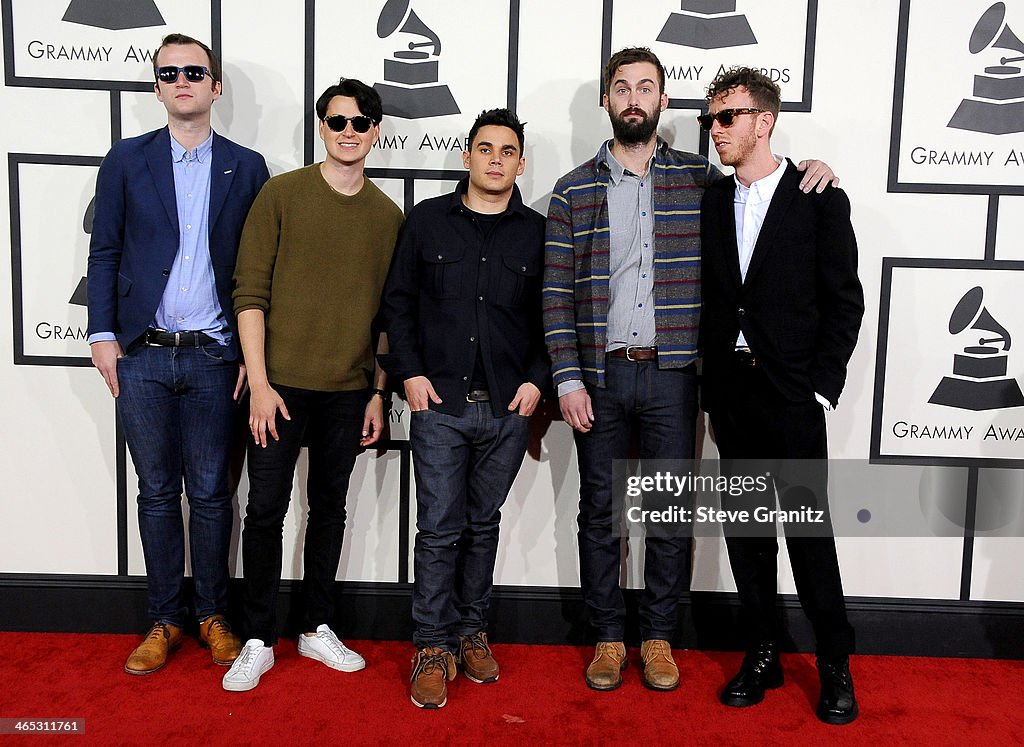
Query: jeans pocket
214	351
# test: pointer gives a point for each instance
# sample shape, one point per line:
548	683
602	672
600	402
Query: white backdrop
839	73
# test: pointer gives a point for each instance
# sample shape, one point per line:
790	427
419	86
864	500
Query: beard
742	147
634	132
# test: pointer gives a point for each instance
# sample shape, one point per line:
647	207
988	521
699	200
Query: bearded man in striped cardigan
621	311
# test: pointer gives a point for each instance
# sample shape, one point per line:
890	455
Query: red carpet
541	698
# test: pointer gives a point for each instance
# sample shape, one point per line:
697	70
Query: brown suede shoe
660	670
215	634
431	667
152	653
605	671
477	661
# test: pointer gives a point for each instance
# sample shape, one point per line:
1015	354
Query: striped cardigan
575	296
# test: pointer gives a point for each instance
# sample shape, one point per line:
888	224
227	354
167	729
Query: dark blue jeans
464	469
330	424
659	406
177	412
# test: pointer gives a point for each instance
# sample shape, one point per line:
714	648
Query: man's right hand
419	393
264	403
104	357
577	410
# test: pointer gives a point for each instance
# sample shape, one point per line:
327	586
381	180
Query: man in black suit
782	307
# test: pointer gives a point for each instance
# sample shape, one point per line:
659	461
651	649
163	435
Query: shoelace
657	651
426	663
159	630
220	624
607	649
837	673
333	643
247	658
477	644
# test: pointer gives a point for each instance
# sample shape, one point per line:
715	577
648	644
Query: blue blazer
135	231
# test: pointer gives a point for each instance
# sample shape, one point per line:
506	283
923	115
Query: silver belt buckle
629	353
146	338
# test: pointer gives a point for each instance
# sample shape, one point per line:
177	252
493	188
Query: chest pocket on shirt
442	272
513	280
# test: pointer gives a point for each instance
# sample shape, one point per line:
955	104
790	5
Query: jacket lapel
222	173
158	158
773	219
727	220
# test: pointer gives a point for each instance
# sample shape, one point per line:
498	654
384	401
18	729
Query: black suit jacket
801	303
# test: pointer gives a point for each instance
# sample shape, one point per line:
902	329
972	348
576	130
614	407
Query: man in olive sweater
313	259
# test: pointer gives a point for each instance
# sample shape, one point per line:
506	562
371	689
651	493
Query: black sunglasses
193	73
726	117
338	122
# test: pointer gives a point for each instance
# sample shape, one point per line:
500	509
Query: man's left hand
241	384
373	421
526	399
817	175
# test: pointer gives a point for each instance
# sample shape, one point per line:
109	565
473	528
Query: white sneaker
325	647
254	660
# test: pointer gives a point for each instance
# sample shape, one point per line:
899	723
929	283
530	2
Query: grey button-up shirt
631	258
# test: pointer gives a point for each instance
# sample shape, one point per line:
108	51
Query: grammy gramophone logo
979	380
114	15
80	296
997	106
412	89
707	24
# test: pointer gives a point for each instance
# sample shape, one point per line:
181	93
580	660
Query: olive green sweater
315	262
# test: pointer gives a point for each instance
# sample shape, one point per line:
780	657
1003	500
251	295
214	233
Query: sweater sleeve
257	252
558	293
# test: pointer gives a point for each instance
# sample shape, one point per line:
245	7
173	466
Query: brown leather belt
635	353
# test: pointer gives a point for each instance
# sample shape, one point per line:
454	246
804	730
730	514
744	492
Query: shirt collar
515	201
617	170
763	188
201	153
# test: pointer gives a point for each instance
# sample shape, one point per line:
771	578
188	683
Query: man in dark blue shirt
462	311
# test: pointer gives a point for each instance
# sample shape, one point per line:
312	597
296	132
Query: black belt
635	353
478	395
165	339
743	357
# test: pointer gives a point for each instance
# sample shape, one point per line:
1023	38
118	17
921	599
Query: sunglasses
338	122
193	73
726	117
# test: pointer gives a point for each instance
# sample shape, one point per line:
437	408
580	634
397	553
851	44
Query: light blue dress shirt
189	302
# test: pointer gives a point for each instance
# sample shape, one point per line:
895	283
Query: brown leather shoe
477	661
660	670
152	653
215	634
431	667
605	671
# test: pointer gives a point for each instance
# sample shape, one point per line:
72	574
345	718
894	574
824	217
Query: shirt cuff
572	385
101	337
824	402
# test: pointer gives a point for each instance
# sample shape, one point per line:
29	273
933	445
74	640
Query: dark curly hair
762	89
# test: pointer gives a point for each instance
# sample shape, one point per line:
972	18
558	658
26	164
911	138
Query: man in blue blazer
170	206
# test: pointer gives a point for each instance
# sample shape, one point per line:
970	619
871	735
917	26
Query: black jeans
757	422
464	468
660	407
330	424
